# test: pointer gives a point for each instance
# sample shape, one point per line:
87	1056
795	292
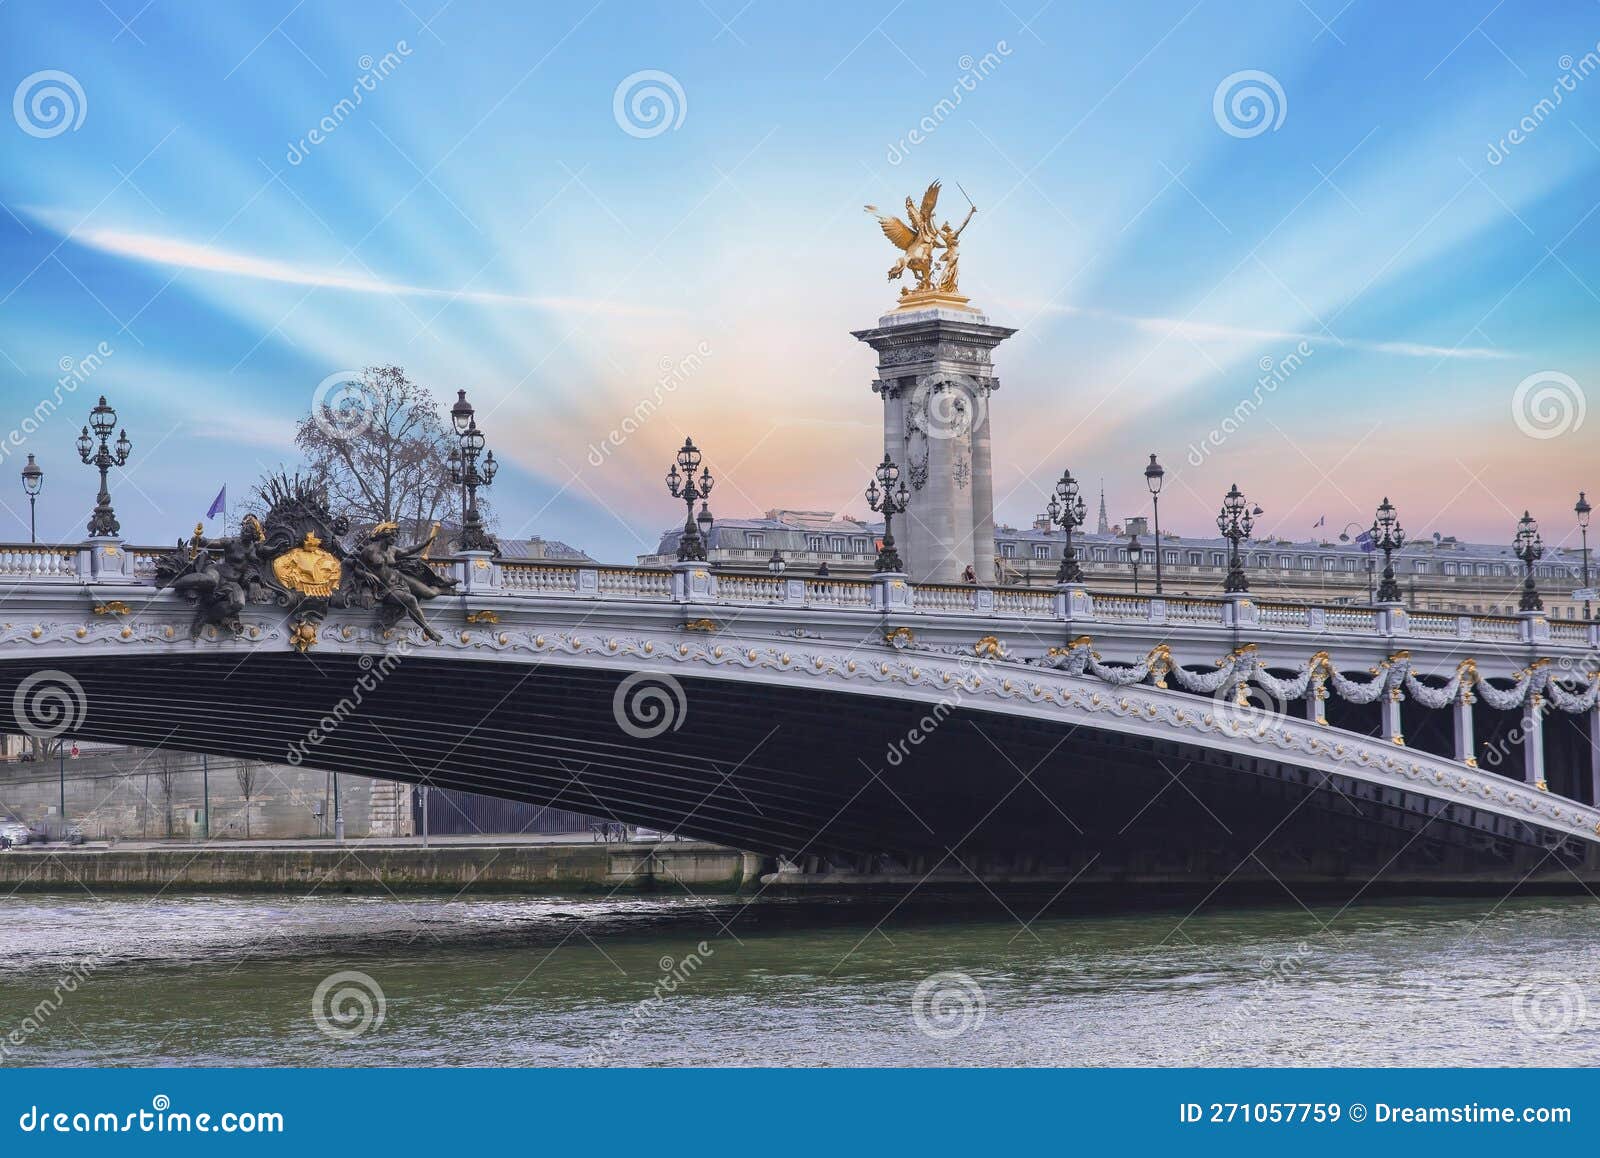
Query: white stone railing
635	581
108	563
839	592
29	562
941	597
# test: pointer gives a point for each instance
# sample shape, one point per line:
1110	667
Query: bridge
909	731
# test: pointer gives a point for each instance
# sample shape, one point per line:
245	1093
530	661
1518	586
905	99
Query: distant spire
1105	524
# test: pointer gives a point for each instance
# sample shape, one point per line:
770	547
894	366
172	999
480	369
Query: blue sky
484	219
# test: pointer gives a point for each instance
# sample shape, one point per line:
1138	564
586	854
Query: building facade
1442	573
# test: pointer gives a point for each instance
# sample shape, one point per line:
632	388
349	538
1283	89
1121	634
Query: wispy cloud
1218	332
184	254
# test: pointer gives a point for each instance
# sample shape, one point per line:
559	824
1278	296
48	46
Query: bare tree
245	772
167	765
385	456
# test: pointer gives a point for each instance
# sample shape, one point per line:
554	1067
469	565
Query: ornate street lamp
1067	511
1153	474
1530	549
776	564
466	474
1582	510
682	484
1235	523
1135	552
1388	536
33	483
888	500
103	420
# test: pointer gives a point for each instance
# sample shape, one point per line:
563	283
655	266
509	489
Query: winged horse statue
918	240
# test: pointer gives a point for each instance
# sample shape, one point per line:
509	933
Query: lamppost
465	473
1067	511
33	483
1235	523
1530	549
1582	510
888	500
1153	474
103	419
775	565
1135	550
1388	536
682	484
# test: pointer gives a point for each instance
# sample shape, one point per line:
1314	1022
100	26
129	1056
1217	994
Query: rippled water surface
232	980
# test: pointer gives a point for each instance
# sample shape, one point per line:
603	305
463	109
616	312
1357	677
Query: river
234	980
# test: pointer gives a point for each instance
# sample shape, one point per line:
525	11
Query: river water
231	980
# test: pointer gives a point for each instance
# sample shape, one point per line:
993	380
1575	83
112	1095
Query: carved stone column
1466	742
930	358
1533	741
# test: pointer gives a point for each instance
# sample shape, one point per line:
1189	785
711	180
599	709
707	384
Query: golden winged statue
919	240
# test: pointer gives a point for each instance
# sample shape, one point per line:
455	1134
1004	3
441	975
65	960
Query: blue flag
1364	541
218	504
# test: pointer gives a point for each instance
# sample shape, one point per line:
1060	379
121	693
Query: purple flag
218	504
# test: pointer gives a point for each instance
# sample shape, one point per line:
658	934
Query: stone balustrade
104	562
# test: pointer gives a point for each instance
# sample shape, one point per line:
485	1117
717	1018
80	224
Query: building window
1499	568
1041	550
1099	554
1449	568
814	542
1285	562
1218	559
1422	568
754	541
859	546
1172	558
1008	550
1194	558
1329	563
837	544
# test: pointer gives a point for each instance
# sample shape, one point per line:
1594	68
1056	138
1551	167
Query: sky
1332	251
